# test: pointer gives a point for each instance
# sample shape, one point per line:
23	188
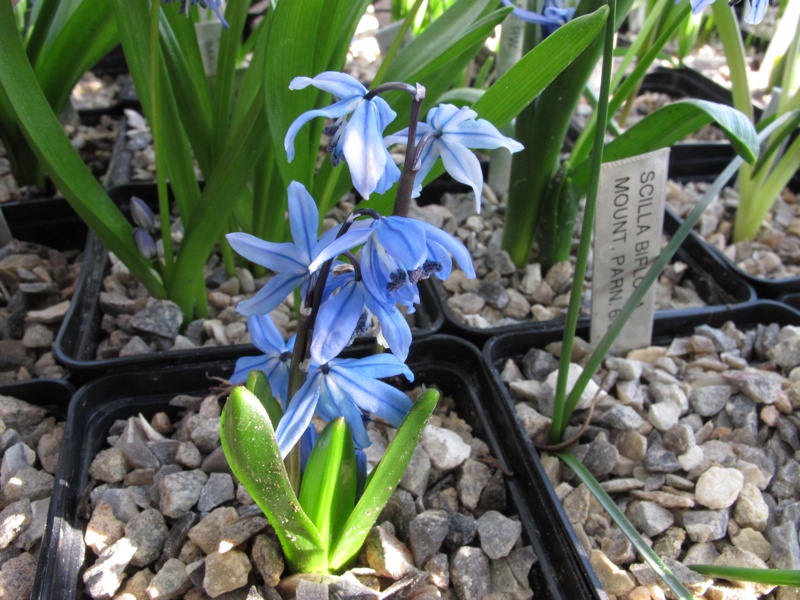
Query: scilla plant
320	501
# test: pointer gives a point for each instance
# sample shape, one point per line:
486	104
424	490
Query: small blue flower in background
451	132
275	363
554	15
360	140
214	5
288	260
398	252
755	15
145	243
344	387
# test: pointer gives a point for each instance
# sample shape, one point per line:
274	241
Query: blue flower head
359	140
214	5
288	260
275	363
398	252
555	14
344	387
449	133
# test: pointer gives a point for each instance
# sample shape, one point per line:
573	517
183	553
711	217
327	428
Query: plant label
627	240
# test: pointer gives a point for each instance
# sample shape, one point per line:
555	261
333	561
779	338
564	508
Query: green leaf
258	385
248	441
652	559
671	124
328	490
786	577
384	480
45	134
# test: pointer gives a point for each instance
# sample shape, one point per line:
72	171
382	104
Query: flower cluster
344	293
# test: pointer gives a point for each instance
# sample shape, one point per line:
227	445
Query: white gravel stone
719	487
446	448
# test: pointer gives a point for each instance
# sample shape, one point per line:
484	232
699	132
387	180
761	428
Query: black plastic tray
79	336
562	571
699	165
716	279
51	394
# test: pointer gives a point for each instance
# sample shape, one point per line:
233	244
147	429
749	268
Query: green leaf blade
328	490
258	385
383	481
249	444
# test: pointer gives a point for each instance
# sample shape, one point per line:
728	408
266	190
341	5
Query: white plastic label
208	37
627	240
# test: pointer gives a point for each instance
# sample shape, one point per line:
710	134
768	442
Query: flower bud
141	214
145	243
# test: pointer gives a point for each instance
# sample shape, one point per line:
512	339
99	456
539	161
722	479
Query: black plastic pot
78	339
51	394
499	349
713	276
698	165
562	571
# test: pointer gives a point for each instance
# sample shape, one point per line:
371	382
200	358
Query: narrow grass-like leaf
604	345
383	482
248	441
652	559
785	577
328	489
63	164
258	385
674	122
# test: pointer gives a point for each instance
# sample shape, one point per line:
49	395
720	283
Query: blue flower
554	15
451	132
289	260
212	4
342	314
758	9
344	387
358	141
275	363
398	252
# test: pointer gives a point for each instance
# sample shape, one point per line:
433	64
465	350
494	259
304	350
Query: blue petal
334	111
699	5
463	166
364	149
374	396
271	295
755	14
243	367
447	117
335	402
530	16
340	85
452	245
265	335
482	134
403	239
427	159
354	237
303	220
336	321
394	327
281	258
375	366
298	416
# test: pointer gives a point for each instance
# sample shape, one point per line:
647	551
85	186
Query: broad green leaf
674	122
248	441
328	490
644	550
443	33
786	577
210	217
258	385
87	36
63	164
384	480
